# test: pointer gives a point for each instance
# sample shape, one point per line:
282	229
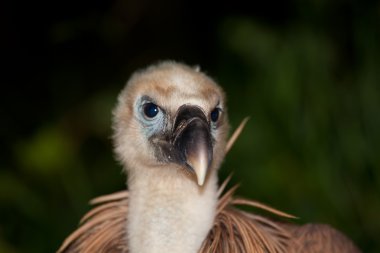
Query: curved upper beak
192	140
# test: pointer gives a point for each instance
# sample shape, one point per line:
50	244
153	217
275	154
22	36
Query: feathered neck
103	228
168	212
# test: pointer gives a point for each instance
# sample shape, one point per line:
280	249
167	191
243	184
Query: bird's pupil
215	115
150	110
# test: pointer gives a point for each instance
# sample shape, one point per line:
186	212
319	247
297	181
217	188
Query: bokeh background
306	72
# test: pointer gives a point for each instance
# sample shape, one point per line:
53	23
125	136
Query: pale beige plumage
173	203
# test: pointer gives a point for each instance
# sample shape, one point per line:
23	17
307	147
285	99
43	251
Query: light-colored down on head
170	134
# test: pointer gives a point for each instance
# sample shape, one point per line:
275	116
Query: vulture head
171	118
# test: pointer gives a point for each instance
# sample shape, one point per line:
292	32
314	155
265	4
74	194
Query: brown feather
320	238
103	229
237	231
236	134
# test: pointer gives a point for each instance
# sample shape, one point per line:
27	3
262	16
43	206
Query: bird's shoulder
313	237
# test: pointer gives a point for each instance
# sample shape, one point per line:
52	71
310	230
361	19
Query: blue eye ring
215	115
151	110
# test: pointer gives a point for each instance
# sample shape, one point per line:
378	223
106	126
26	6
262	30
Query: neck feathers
168	212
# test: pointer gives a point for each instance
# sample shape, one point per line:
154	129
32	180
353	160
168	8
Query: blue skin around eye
150	116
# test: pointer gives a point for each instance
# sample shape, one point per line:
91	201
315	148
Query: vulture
170	135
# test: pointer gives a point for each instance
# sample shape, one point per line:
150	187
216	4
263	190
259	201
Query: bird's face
171	117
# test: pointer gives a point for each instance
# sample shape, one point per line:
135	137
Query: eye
215	114
151	110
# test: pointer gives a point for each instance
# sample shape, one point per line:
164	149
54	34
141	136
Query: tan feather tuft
236	134
236	231
103	228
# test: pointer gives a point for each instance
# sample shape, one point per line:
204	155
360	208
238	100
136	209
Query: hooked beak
192	139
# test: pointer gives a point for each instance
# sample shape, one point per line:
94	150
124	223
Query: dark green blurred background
307	72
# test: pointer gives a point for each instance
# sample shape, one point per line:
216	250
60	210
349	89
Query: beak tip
201	173
200	165
201	181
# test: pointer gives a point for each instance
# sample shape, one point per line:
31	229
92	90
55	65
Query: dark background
306	72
